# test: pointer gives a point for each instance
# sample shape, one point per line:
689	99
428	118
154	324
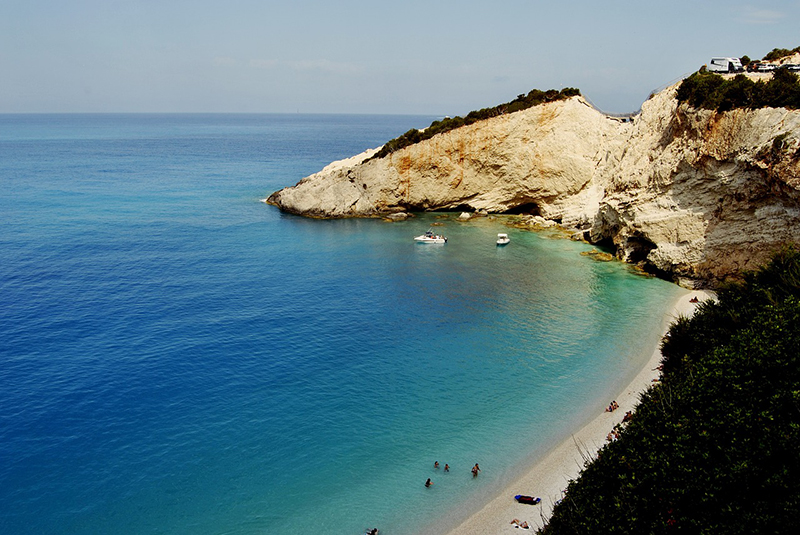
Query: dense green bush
778	53
534	98
715	447
712	91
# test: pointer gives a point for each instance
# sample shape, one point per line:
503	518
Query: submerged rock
399	216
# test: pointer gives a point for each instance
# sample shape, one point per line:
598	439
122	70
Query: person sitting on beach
627	416
428	483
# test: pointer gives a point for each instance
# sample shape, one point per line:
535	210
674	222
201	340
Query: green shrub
715	447
778	53
711	91
534	98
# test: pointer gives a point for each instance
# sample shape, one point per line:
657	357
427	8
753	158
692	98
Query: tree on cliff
715	447
522	102
711	91
778	53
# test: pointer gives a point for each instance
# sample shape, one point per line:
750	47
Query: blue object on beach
530	500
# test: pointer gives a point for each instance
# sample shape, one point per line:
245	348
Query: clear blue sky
353	56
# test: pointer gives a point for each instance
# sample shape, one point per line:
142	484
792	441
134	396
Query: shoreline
551	473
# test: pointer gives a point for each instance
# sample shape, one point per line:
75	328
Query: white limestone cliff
689	193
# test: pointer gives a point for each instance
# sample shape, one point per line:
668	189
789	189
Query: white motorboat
430	237
503	239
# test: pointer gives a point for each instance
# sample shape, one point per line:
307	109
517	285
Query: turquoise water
177	357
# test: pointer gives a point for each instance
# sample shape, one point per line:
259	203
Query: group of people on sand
475	470
612	406
614	433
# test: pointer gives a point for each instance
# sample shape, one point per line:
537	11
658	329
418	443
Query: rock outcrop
689	193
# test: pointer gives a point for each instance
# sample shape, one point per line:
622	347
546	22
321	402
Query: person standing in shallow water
428	483
475	470
446	467
436	465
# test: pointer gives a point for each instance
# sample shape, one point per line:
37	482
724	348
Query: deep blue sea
178	357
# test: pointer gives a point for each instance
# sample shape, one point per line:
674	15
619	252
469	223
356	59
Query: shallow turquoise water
177	357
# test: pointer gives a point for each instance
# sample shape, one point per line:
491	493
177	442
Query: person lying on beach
520	524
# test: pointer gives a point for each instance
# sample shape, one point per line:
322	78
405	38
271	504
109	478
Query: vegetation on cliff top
711	91
778	53
715	446
534	98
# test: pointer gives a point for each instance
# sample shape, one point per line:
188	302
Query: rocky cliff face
691	193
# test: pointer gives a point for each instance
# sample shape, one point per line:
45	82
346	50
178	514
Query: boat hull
423	239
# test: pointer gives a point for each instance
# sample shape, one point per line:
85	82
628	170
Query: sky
431	57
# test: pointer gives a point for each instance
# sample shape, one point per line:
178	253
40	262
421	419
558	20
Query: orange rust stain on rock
404	164
722	132
545	116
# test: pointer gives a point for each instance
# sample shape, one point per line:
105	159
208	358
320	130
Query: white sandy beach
551	474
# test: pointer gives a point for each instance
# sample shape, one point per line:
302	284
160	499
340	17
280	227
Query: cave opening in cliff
638	248
462	208
529	208
606	245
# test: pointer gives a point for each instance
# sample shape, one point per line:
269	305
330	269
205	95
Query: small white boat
503	239
430	237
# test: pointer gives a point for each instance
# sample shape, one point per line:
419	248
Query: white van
724	65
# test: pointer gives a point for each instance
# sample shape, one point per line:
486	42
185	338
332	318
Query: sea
178	357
